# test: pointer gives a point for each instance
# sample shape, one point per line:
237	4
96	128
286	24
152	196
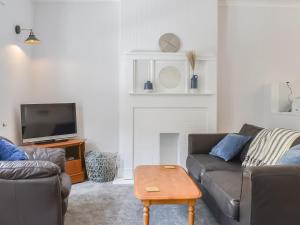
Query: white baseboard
122	181
125	173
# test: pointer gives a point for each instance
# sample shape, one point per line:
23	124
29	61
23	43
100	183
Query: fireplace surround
152	121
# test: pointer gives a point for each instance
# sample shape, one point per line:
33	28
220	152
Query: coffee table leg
146	213
191	212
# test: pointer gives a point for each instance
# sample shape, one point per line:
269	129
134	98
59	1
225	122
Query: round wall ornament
169	43
169	77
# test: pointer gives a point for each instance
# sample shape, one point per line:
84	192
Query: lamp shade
32	39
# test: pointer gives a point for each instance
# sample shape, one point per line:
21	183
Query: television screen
45	121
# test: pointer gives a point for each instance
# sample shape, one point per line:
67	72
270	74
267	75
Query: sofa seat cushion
198	164
225	188
66	185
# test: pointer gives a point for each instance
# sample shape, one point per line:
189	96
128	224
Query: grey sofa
34	191
244	196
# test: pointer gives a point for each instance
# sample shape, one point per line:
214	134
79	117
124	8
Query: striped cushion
269	146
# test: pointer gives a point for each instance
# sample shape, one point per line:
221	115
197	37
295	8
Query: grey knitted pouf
101	166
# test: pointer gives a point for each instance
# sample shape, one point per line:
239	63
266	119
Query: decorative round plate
169	77
169	43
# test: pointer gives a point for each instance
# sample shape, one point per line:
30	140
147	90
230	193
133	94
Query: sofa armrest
31	201
55	155
203	143
270	195
16	170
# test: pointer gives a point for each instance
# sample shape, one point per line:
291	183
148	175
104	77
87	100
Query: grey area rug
112	204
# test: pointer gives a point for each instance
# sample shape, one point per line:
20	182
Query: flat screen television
46	122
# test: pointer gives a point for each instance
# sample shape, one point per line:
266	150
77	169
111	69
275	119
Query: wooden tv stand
75	163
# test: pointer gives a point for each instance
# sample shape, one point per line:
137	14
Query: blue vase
194	82
148	85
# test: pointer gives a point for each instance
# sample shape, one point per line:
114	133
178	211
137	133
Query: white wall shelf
165	55
281	97
286	113
170	73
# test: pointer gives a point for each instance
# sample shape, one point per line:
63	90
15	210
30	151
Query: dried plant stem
191	56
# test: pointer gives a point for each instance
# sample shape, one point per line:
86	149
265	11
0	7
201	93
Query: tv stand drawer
77	178
74	167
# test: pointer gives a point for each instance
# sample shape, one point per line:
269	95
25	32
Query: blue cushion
291	157
229	146
10	152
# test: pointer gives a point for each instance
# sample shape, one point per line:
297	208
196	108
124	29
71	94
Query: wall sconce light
32	39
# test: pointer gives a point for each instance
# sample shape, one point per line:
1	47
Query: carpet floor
110	204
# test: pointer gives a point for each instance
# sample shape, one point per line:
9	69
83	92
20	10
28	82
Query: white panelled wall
81	59
193	21
258	46
15	77
78	61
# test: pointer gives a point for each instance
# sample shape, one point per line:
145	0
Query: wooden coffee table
165	185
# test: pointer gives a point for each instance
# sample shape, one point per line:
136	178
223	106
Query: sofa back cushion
248	130
20	170
55	155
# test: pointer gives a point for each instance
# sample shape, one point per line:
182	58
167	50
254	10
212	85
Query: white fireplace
154	127
157	127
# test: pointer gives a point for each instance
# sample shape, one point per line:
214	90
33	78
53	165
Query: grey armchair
34	191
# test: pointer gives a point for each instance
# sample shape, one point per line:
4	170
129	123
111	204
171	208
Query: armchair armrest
270	195
31	201
203	143
17	170
55	155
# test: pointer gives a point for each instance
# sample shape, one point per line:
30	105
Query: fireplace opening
169	148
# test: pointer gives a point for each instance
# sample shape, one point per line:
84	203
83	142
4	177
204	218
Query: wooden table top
173	184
